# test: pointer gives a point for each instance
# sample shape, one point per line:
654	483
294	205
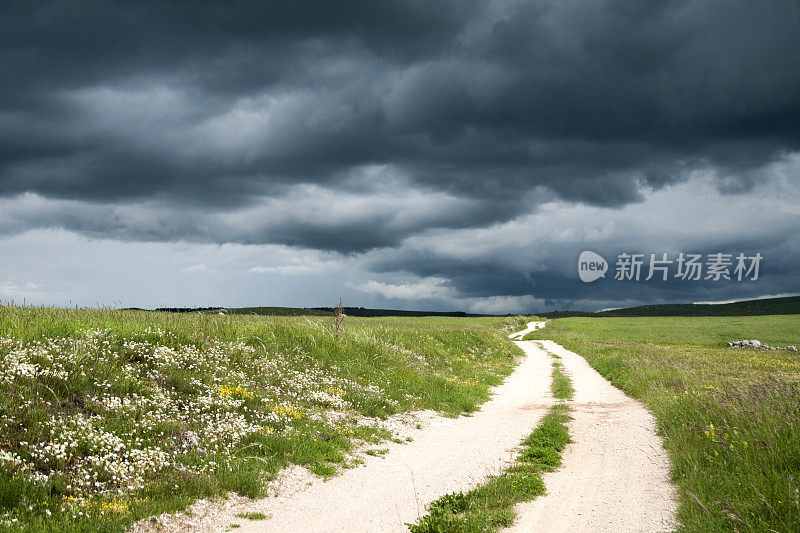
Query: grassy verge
110	416
729	417
562	386
489	507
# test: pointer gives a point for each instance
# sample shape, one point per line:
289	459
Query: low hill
767	306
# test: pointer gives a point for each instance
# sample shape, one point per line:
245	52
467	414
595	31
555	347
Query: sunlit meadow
110	416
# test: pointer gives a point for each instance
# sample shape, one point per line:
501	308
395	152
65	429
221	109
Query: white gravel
532	326
615	473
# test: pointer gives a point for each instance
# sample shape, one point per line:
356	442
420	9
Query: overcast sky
404	154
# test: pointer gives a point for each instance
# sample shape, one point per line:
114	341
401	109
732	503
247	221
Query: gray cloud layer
369	128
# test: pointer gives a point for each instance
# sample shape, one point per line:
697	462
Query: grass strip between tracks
490	506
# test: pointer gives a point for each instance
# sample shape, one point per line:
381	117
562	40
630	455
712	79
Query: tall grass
108	416
562	386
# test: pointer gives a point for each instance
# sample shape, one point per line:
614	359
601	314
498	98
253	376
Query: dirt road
614	475
448	455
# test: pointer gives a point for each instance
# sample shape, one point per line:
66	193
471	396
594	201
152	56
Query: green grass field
730	418
110	416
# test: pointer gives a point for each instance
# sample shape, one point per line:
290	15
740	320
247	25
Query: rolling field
107	417
729	417
110	416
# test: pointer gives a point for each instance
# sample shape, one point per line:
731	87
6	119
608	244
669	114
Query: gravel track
614	475
384	493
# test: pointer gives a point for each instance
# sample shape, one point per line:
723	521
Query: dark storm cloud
591	99
327	124
537	254
556	284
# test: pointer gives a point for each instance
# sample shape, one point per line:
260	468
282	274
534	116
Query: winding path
448	455
614	475
531	327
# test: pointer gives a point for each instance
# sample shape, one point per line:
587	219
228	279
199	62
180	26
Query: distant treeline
308	311
363	311
350	311
768	306
189	309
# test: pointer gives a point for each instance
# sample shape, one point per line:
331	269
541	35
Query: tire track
446	456
615	473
